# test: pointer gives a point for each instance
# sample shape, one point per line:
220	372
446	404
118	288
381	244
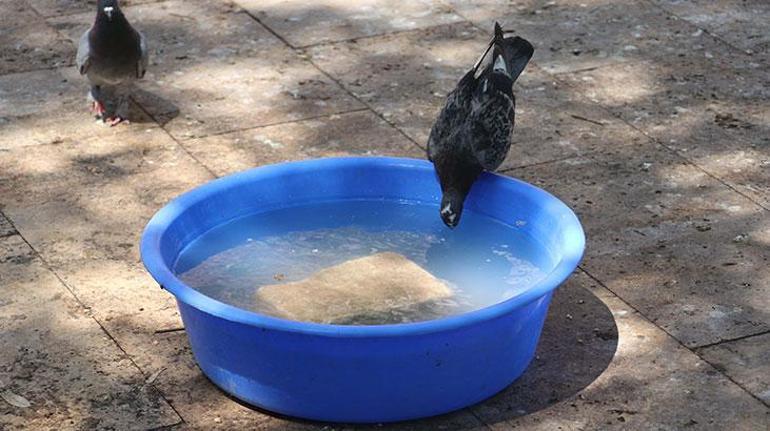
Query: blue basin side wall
342	375
330	378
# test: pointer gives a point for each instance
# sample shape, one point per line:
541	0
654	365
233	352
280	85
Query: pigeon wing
452	115
141	66
83	57
492	122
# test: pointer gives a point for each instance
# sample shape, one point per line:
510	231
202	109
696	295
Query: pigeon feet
114	121
97	109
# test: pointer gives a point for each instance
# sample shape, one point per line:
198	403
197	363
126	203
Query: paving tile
406	77
740	22
651	383
354	134
712	111
643	188
683	98
6	228
49	106
553	122
214	69
84	203
702	288
28	43
745	361
58	358
746	167
54	8
302	23
576	35
678	245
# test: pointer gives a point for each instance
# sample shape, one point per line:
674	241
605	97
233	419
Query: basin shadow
577	344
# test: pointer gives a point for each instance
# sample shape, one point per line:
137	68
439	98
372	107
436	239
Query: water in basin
483	261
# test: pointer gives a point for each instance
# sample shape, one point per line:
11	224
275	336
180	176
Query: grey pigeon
473	131
112	55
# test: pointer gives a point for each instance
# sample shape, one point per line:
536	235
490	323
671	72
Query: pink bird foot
114	121
97	109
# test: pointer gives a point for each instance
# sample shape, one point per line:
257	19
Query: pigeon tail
510	55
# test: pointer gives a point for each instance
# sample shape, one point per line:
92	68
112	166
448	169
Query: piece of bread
376	289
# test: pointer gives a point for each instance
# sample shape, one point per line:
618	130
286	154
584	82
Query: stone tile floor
651	118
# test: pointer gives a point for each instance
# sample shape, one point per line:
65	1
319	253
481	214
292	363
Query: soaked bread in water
376	289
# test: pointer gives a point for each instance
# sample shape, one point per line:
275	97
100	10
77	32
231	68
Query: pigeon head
456	178
108	9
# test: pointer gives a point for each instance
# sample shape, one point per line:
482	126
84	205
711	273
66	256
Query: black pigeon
473	131
112	55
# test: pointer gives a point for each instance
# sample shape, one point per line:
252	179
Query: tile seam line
39	69
652	139
535	62
59	34
367	105
587	154
383	34
462	20
719	180
333	79
69	14
660	143
154	124
277	123
694	25
694	350
649	4
730	340
177	142
88	312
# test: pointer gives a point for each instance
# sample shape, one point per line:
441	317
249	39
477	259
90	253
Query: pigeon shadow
158	108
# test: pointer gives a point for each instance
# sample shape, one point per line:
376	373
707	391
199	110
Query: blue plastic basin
359	373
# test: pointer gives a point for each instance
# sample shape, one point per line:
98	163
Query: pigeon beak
449	216
108	10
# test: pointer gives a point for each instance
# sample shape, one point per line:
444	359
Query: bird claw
114	121
97	109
